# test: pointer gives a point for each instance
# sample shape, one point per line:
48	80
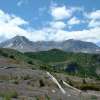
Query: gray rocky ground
31	84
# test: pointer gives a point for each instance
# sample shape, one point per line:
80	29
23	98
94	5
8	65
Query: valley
49	75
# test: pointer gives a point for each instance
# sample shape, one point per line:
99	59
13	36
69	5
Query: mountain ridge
23	44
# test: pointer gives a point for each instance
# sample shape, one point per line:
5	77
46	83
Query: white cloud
60	12
58	24
91	35
37	35
93	18
17	21
10	27
73	21
94	23
11	19
95	14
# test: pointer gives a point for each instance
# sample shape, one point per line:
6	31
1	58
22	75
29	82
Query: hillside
74	63
79	64
10	56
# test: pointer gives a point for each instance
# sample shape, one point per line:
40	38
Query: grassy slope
17	56
58	61
87	63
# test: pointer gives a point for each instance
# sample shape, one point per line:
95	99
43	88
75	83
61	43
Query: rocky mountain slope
19	43
22	44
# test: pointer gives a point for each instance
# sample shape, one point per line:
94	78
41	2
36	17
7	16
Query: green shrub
47	97
30	62
89	87
12	57
15	81
41	82
9	94
93	97
4	54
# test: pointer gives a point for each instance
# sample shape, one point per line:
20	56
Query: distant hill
56	55
79	63
22	44
80	46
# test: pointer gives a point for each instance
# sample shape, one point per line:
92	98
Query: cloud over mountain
57	22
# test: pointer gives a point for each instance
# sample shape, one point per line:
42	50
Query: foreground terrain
50	75
28	84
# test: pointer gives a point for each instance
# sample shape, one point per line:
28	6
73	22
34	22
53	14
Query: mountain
22	44
19	43
80	46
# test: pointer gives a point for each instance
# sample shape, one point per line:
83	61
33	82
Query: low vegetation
75	64
55	60
80	64
8	95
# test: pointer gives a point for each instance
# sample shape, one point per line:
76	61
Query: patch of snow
21	46
9	45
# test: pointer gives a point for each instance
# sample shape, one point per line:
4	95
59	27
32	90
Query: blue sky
55	20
